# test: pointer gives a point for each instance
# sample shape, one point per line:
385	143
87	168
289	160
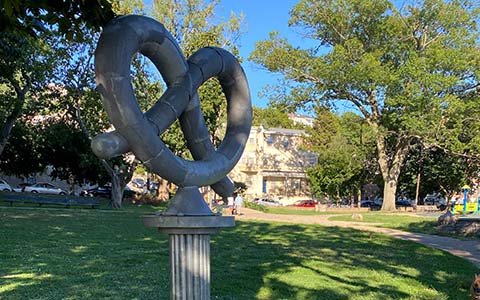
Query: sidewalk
468	249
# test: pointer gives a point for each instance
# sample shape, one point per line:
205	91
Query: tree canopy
412	73
345	148
194	26
30	17
271	117
68	30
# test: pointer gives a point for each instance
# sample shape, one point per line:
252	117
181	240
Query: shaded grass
104	203
99	254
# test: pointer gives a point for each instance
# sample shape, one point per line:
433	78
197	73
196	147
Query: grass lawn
398	221
56	253
300	211
395	221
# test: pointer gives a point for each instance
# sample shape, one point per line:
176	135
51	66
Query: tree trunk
389	192
359	195
390	166
16	111
119	176
118	186
417	191
5	132
163	192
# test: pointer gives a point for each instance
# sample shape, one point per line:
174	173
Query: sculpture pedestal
189	238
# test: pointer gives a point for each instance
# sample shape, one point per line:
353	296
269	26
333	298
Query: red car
305	203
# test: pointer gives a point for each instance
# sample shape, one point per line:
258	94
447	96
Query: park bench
37	199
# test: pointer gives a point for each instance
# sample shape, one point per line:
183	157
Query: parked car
435	199
17	189
154	185
266	202
105	192
305	203
44	188
21	187
4	186
370	203
403	202
138	182
99	191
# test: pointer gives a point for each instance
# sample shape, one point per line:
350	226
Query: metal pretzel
139	132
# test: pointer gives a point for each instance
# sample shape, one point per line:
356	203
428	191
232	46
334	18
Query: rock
357	217
447	219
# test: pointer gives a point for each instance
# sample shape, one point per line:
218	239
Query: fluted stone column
190	266
189	238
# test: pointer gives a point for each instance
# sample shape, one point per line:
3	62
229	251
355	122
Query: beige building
272	165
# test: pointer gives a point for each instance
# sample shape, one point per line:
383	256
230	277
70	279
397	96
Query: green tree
438	171
24	54
23	71
23	156
32	17
270	117
66	149
408	72
194	25
344	150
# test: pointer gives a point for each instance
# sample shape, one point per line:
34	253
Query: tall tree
271	117
66	149
75	97
32	17
344	150
23	156
439	171
194	25
24	66
24	57
406	71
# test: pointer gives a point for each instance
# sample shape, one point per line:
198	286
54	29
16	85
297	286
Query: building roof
284	131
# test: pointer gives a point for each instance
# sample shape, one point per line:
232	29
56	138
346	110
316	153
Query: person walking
231	205
238	204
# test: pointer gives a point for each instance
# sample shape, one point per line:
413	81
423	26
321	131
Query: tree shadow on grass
341	261
430	227
74	254
70	254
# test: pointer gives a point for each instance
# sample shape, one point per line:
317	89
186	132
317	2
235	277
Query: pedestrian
238	204
230	204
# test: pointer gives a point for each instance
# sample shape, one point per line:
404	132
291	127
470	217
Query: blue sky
261	18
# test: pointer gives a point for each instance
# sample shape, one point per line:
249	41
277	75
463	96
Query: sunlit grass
396	221
301	211
100	254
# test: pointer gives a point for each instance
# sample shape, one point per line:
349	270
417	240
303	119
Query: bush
254	206
147	198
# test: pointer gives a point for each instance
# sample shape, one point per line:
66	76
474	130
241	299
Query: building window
251	140
249	181
251	159
269	140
